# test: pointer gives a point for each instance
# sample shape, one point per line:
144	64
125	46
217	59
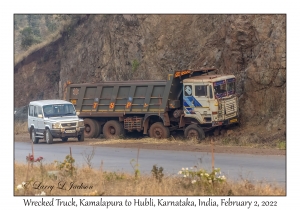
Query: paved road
236	166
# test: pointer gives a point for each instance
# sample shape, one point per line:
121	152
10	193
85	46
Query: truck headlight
81	124
55	125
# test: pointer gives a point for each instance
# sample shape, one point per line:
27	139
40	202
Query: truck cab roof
208	78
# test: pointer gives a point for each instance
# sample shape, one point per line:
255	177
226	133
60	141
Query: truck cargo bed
124	97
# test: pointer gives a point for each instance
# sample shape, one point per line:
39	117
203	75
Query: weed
135	64
88	157
111	176
135	165
157	173
281	145
67	167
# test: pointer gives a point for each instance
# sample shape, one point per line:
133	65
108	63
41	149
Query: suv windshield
224	88
59	110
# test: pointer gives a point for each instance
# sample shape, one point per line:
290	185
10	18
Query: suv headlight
81	124
55	125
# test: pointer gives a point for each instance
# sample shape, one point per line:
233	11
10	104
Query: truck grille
229	108
68	125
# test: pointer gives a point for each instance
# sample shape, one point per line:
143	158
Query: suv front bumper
67	132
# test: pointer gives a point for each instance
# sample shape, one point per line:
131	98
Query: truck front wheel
159	131
112	129
193	131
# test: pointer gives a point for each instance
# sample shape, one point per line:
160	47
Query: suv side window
31	110
35	111
39	110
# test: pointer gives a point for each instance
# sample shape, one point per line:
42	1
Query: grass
20	127
88	181
281	145
65	178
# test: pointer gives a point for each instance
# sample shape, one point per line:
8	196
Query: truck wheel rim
158	133
47	136
112	130
87	128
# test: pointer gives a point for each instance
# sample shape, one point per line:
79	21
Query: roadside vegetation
64	178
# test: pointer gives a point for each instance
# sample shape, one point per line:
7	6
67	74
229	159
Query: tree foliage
28	38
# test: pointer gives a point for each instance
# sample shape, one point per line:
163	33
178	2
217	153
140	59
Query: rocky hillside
128	47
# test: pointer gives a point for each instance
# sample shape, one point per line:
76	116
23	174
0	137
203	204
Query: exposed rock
104	48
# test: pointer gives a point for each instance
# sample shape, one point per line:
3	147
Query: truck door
203	101
201	97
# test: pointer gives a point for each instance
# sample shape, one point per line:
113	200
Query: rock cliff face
128	47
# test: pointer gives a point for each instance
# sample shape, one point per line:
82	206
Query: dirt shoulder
175	145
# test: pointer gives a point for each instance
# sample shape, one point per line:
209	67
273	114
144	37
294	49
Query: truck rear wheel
113	129
91	129
99	124
159	131
193	131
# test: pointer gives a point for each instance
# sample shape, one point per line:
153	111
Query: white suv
48	119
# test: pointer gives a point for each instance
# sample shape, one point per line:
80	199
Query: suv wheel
49	137
34	139
81	137
64	139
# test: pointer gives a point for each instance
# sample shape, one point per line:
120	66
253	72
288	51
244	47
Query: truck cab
210	99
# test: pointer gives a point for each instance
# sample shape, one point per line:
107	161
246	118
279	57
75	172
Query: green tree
27	37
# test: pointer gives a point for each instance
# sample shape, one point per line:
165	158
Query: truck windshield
231	86
59	110
224	88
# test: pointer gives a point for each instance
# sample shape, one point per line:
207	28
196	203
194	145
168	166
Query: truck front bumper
225	122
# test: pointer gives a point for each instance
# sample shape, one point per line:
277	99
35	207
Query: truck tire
91	129
194	131
49	137
113	129
159	131
34	139
99	124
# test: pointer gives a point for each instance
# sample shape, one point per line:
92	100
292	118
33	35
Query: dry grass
20	127
142	140
112	183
